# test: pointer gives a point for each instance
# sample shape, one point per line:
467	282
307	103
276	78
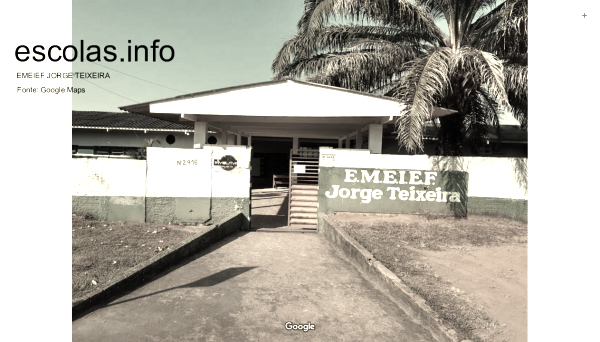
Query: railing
303	193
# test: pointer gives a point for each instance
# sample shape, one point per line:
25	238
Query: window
117	151
102	150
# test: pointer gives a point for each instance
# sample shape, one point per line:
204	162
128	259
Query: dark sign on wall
392	191
227	163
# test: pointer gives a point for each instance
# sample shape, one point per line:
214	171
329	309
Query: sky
217	44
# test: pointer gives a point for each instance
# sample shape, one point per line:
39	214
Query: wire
83	79
141	79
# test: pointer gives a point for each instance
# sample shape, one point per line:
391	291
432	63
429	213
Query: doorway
273	163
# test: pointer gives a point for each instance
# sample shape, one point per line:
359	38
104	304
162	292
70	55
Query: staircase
303	205
304	189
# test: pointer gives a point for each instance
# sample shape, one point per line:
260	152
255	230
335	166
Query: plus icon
584	15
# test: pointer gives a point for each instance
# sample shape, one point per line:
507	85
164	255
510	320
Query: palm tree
394	48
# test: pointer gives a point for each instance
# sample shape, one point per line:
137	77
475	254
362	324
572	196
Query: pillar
340	143
223	137
358	139
348	141
200	131
295	143
230	139
239	139
249	140
375	138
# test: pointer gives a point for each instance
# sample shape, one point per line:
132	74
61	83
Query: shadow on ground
211	280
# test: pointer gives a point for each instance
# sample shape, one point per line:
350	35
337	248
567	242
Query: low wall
109	189
178	185
496	186
230	189
404	297
173	185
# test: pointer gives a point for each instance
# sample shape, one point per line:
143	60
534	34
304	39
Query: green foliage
394	48
140	152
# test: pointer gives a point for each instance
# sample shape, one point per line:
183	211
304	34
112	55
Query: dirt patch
103	250
494	277
472	272
192	229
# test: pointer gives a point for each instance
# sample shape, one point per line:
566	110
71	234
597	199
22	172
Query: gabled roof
141	106
124	121
281	98
285	108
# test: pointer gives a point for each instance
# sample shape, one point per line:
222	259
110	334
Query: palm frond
475	122
491	72
397	50
353	70
338	37
397	13
504	30
515	78
425	81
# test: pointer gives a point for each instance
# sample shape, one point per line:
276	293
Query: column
223	136
239	139
200	131
340	143
230	139
249	140
358	139
375	138
348	141
295	143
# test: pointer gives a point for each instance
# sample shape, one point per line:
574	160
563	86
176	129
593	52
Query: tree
141	152
394	48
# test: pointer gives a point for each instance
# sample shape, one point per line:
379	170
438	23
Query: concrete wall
230	189
109	189
172	185
178	185
496	186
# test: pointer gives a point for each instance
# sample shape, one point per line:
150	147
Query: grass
396	246
103	250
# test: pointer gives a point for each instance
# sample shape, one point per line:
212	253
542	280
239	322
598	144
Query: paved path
269	208
245	288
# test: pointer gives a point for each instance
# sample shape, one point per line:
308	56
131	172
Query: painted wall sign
227	163
187	162
327	157
299	168
392	191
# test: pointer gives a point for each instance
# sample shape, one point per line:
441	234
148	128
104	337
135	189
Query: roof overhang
280	108
109	128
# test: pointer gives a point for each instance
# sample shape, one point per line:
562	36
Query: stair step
303	215
295	221
308	204
303	209
305	187
296	192
305	198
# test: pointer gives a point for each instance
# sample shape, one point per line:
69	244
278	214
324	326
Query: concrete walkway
270	212
246	288
269	208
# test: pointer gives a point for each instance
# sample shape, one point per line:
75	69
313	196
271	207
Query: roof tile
123	120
